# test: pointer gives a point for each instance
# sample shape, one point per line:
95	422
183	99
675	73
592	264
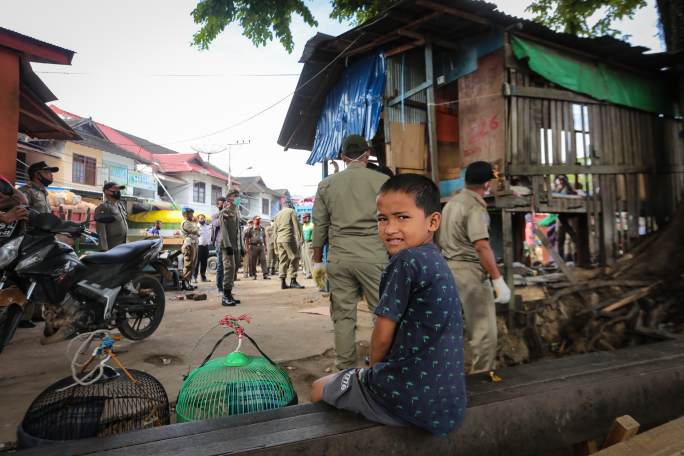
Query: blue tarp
353	106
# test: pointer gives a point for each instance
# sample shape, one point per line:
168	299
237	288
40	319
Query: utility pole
209	152
240	142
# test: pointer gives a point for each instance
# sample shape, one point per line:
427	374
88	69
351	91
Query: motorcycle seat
119	254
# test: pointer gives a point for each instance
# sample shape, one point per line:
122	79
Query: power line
176	75
253	116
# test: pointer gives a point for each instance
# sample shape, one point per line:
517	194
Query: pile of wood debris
637	300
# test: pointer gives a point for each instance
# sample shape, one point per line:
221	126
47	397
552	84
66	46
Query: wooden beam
452	12
409	93
431	115
391	36
404	48
630	298
540	170
667	439
508	254
434	40
549	94
556	257
623	429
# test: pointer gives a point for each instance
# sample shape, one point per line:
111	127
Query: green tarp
597	80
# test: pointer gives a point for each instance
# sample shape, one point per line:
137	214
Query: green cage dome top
234	384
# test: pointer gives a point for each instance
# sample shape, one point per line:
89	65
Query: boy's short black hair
422	188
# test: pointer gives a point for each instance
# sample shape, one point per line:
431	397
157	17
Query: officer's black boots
283	284
185	285
228	299
294	284
266	277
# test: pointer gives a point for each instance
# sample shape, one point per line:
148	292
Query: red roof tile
168	162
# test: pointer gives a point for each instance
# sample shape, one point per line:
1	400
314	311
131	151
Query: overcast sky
126	50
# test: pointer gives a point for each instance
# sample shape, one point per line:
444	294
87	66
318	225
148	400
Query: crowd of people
427	273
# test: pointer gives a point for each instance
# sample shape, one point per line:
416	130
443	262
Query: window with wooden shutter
84	170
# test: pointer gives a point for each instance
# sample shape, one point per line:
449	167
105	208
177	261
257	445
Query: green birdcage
234	384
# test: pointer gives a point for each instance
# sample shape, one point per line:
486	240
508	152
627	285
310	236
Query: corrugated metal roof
456	19
36	50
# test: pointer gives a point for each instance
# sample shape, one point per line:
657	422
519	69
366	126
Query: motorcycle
102	290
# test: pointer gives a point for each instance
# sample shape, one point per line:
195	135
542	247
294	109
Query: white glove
501	291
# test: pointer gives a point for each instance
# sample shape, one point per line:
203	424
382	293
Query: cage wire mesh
110	406
234	385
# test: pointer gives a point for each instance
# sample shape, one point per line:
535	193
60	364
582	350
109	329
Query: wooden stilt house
435	86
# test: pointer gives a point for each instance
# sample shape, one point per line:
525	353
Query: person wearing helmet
190	233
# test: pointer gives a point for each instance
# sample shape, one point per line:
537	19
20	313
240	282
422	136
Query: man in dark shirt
416	375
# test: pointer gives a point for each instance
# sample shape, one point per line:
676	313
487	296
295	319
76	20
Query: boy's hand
382	338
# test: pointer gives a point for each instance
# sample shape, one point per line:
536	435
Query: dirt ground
287	325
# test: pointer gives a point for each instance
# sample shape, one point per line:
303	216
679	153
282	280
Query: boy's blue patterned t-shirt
421	380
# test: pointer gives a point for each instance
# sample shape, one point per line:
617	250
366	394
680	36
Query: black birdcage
110	406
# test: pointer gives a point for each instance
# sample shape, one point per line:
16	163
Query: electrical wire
253	116
178	75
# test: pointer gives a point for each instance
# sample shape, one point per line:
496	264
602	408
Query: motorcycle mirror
104	218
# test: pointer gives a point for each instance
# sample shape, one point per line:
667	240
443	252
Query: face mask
44	180
202	222
116	194
236	201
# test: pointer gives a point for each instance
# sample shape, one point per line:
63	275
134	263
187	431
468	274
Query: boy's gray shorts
347	392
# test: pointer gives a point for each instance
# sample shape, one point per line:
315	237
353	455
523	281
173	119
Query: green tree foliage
575	16
263	21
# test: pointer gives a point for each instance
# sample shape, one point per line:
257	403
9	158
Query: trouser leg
272	258
262	261
253	260
345	292
283	261
293	256
203	257
368	276
228	270
219	269
245	264
307	258
477	299
188	261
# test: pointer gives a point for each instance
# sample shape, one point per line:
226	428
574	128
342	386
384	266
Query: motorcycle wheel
212	264
9	320
140	325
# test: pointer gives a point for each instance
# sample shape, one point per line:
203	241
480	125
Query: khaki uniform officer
40	177
464	240
255	241
288	238
190	232
111	232
229	221
344	216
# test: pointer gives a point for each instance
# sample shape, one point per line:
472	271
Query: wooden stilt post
431	114
507	229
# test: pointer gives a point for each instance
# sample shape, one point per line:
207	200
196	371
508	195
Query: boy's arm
382	338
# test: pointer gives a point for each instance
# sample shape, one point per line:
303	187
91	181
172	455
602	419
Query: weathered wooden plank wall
630	163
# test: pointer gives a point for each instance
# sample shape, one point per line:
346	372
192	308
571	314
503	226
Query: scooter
102	290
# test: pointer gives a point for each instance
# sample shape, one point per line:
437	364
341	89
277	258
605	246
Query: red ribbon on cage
234	323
